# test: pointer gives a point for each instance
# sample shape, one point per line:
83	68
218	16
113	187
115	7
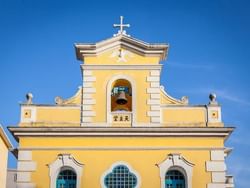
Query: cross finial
121	26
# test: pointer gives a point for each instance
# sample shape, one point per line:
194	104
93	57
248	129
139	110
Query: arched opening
121	96
174	179
66	179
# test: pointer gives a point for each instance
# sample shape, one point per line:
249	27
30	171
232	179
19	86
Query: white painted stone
153	113
153	79
87	107
155	72
155	96
217	155
23	176
87	96
89	90
89	101
25	185
153	101
87	84
26	166
32	110
216	185
155	107
88	113
86	119
218	177
87	73
89	79
155	119
215	166
211	109
153	90
24	155
155	84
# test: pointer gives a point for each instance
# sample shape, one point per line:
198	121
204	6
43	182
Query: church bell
121	99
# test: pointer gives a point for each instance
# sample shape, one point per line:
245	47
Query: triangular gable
121	41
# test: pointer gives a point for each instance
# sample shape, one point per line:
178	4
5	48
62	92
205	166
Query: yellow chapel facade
121	129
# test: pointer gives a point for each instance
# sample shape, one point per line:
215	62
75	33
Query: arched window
66	179
176	171
174	179
65	172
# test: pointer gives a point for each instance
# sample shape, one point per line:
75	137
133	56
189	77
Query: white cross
121	25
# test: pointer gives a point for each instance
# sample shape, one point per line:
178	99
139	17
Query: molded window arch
178	163
65	162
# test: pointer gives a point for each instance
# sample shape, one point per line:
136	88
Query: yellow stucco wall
184	116
58	114
97	160
3	162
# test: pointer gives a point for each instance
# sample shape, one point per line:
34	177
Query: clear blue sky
209	52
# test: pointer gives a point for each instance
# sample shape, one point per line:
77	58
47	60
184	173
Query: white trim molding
130	43
25	166
65	161
176	162
121	67
217	167
223	132
28	114
117	164
87	100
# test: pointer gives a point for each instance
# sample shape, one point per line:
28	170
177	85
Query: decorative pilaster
87	97
25	166
154	96
217	167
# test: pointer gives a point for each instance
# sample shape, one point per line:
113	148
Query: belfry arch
121	86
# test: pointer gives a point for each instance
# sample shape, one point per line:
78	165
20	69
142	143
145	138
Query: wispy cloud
190	65
231	97
222	94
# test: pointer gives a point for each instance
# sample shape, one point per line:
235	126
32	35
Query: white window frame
176	162
117	164
64	162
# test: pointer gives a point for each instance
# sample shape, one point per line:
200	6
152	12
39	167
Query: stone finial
212	98
29	97
58	100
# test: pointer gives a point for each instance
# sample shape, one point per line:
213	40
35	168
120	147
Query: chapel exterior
121	129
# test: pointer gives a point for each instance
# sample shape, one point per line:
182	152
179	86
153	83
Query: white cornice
121	67
125	132
141	47
128	148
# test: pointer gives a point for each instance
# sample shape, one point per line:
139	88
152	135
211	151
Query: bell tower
121	80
